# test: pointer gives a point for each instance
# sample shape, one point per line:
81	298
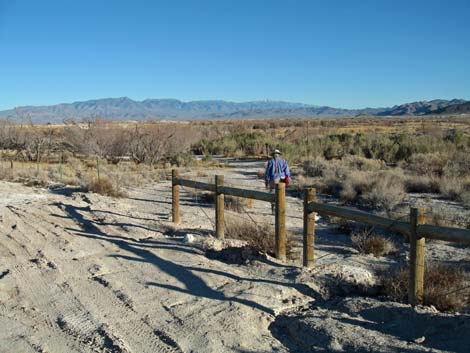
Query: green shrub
182	160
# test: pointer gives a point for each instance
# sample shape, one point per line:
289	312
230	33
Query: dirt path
87	273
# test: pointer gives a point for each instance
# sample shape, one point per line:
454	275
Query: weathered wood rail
415	230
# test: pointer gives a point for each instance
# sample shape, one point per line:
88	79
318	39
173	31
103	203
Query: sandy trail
87	273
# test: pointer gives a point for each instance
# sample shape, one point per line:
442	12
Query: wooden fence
416	230
278	199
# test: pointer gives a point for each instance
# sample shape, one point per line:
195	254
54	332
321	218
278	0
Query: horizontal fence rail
455	235
360	216
424	230
249	194
227	190
195	184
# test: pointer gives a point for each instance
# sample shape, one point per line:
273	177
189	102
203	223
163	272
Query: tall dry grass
444	286
259	236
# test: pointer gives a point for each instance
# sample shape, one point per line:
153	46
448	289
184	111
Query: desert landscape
206	176
90	259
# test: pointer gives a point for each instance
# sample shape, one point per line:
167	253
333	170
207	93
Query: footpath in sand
87	273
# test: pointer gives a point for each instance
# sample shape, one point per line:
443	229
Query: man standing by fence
277	171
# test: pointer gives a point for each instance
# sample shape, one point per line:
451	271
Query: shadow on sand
144	251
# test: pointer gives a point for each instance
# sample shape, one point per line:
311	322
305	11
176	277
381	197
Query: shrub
428	164
442	286
458	165
182	159
259	236
104	186
237	204
315	167
369	243
301	183
387	191
465	197
422	184
380	190
355	185
452	188
343	226
363	164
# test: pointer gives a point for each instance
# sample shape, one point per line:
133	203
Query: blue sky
340	53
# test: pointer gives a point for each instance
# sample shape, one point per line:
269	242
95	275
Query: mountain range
172	109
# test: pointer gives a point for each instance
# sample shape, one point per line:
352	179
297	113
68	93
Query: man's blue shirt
277	168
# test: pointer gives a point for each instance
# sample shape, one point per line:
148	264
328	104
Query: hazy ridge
172	109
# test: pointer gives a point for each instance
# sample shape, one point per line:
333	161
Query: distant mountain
459	108
420	108
172	109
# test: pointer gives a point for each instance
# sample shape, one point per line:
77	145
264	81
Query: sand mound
370	325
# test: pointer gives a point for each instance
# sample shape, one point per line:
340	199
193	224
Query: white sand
87	273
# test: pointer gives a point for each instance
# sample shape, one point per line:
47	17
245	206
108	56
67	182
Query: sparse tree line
141	143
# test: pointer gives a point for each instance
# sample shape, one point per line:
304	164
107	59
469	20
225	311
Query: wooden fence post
309	229
280	232
417	249
219	207
175	191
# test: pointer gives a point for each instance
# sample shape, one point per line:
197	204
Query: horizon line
235	102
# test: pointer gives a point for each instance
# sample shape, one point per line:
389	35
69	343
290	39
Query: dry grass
231	203
369	243
80	172
204	197
383	190
237	204
427	164
440	216
104	187
343	226
442	286
363	164
456	189
259	236
387	191
422	184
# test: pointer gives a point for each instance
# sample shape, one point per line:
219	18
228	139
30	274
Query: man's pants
272	188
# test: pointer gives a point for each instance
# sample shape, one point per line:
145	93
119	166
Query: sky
341	53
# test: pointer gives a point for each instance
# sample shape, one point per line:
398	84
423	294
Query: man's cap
276	151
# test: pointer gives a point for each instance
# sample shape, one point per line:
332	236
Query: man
277	171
